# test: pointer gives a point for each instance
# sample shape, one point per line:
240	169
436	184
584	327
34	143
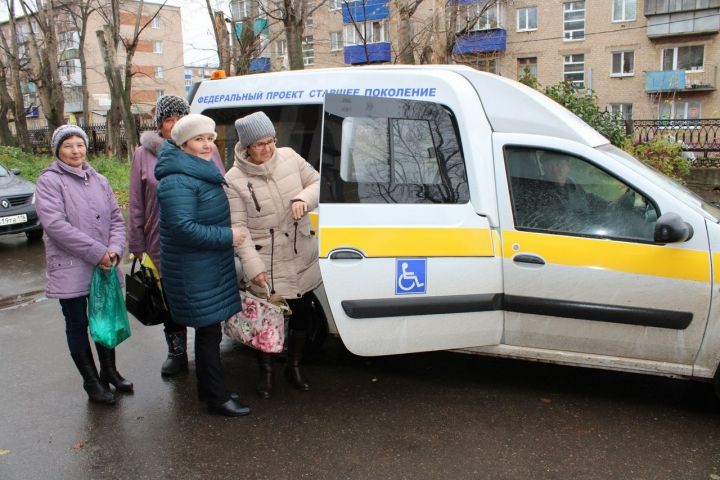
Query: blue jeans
76	323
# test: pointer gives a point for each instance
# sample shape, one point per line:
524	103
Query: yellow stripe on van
408	242
637	258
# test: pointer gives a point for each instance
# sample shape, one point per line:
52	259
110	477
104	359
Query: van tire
318	328
716	382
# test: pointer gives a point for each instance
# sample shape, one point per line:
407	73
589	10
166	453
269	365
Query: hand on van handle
238	237
298	208
260	279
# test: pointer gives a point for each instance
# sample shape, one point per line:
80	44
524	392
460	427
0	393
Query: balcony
482	41
376	52
261	64
682	80
366	10
666	18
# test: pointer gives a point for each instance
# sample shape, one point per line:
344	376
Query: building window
623	10
367	32
240	10
676	110
155	22
308	15
159	94
526	66
622	110
280	48
574	20
336	41
487	65
478	16
527	19
308	50
157	46
574	69
683	58
623	64
335	5
159	72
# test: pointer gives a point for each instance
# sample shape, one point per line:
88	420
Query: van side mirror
15	171
670	228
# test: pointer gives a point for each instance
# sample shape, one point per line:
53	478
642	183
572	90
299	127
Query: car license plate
13	219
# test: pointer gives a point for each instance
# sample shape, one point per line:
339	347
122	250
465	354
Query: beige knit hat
190	126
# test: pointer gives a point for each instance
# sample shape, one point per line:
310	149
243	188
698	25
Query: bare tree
6	106
43	70
293	15
120	77
12	51
222	39
406	43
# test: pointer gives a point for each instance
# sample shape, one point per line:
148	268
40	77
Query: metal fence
695	135
97	135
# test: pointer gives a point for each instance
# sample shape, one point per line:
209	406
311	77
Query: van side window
555	192
415	158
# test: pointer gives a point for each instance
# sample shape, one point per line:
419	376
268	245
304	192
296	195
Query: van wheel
34	235
716	382
318	331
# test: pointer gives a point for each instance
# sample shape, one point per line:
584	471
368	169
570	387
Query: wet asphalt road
423	416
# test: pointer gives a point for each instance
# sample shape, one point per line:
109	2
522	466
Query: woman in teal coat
196	243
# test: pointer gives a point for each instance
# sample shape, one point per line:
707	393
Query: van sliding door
406	262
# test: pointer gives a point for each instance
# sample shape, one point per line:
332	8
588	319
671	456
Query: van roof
509	106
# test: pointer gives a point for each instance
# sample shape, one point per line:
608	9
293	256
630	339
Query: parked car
17	205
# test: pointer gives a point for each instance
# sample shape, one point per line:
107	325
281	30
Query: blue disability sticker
410	275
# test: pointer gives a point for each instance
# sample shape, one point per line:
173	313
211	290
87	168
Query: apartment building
645	59
194	74
158	62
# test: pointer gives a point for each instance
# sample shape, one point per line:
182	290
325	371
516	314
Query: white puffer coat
260	199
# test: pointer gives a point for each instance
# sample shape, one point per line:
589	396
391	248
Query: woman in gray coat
83	229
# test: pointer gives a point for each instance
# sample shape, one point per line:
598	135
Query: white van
462	210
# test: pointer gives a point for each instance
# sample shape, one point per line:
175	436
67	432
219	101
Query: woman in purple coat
83	228
143	229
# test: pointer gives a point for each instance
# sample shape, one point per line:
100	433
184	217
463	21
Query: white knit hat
253	127
190	126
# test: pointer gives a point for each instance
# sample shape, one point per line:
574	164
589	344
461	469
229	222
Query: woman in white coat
270	192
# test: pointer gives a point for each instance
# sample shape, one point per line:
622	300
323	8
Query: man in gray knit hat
143	228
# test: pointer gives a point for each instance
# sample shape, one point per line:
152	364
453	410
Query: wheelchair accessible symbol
410	275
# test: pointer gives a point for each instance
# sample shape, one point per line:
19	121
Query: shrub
665	155
116	171
583	103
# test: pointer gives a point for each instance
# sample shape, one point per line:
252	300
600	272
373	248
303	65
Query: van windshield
680	191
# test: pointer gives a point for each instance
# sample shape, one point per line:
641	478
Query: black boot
177	360
231	408
265	385
296	346
108	371
96	390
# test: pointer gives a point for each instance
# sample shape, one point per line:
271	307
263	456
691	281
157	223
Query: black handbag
144	298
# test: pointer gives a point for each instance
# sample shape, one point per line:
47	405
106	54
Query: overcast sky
198	36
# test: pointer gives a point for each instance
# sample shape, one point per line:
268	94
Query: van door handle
345	254
531	259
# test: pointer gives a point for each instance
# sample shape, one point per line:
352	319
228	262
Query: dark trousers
208	368
172	327
302	313
76	323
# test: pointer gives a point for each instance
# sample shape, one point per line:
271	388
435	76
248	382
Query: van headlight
33	199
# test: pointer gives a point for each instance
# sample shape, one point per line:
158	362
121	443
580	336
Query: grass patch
116	171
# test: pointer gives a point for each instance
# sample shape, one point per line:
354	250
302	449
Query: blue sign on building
410	276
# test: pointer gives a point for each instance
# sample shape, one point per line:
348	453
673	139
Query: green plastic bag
107	315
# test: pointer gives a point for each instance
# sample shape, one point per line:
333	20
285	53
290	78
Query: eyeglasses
261	145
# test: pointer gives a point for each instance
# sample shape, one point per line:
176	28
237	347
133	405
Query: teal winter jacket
198	269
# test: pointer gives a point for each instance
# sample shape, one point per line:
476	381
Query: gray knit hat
253	127
66	131
191	125
170	106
